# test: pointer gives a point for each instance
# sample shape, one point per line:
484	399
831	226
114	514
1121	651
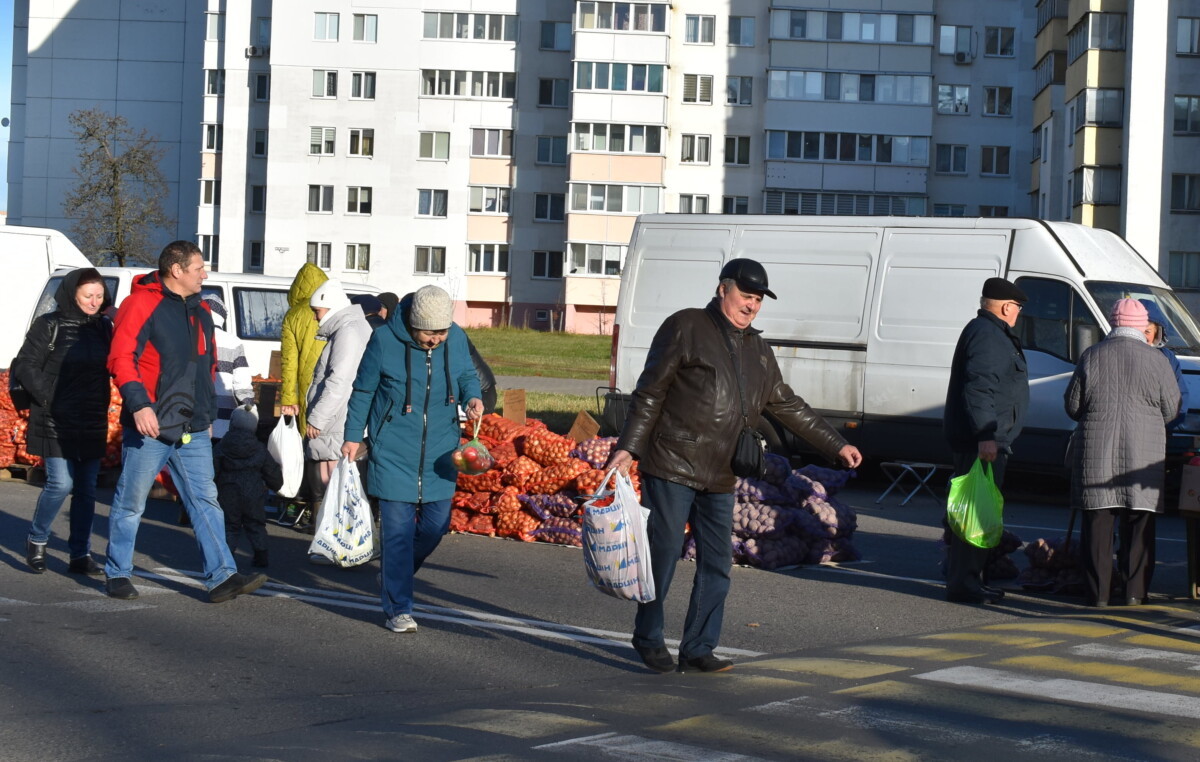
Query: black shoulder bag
748	456
21	399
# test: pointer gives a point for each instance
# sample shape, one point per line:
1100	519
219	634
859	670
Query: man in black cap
985	409
705	367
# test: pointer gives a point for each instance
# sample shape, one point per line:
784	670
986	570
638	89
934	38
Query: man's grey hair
728	283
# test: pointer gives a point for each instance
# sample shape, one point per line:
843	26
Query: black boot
35	556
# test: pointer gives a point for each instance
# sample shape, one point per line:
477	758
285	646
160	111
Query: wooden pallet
33	475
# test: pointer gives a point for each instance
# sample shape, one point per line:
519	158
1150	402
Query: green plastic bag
975	510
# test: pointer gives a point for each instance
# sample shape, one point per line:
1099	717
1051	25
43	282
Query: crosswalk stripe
1161	641
1017	641
1079	629
1073	691
1121	653
633	748
845	668
1100	670
925	653
102	606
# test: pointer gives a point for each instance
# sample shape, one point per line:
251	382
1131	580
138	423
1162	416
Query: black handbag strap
737	364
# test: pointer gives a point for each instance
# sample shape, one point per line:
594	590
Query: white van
28	256
870	309
256	305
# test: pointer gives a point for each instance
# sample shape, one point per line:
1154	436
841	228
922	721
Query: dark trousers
964	561
672	506
255	529
1135	554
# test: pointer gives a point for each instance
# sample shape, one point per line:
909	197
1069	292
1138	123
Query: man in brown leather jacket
682	427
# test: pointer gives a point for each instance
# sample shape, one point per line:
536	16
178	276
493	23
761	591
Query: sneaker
402	623
705	663
121	588
236	585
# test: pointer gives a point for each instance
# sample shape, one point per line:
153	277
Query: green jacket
301	347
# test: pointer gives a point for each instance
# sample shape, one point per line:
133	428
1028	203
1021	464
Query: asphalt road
517	658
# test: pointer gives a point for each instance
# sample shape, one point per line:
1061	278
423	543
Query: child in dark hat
243	472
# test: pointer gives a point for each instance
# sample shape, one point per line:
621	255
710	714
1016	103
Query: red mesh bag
556	477
502	452
506	501
459	519
520	471
497	427
489	481
589	482
517	525
482	523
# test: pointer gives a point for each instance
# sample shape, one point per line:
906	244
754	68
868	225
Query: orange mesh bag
546	447
556	477
520	471
506	501
517	525
482	523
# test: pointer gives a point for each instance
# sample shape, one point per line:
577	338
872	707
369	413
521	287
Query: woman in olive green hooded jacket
301	347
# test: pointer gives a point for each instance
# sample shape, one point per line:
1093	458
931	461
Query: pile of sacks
15	423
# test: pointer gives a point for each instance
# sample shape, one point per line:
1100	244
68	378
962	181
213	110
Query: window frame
258	199
370	28
210	192
432	138
546	201
699	29
329	84
556	147
432	256
579	259
739	90
366	142
254	142
955	91
212	137
323	199
548	260
359	200
741	22
556	84
735	204
557	28
956	155
497	142
428	198
262	87
700	149
327	146
321	26
479	254
357	257
992	99
316	251
697	86
480	196
214	82
360	82
741	149
999	39
994	153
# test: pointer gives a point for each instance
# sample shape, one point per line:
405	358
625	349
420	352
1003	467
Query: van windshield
1182	334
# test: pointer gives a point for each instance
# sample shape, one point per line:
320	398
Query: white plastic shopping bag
616	548
286	446
346	532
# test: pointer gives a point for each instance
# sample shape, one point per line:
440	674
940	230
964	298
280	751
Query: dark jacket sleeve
797	417
662	363
272	473
985	361
28	366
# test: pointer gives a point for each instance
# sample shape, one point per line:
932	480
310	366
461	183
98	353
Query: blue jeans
711	516
191	468
77	478
411	532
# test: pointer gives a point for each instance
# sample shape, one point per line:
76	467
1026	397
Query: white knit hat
432	309
329	295
244	417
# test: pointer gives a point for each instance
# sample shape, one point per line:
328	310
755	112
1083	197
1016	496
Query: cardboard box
276	364
1189	491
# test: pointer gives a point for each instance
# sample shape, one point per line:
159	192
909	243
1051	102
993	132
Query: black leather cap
750	276
1003	291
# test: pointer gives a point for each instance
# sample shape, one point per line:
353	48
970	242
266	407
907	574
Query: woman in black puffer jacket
63	367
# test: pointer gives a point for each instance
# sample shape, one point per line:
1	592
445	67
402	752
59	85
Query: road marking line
102	606
1121	653
1017	641
481	619
1072	691
1105	671
912	652
1161	641
630	747
844	668
1081	629
15	602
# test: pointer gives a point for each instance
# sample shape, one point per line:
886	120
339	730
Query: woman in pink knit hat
1122	394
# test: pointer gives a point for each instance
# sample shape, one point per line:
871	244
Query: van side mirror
1083	336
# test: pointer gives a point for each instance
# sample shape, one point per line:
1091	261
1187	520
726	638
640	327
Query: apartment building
503	150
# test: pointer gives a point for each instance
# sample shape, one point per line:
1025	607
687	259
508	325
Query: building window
1102	185
993	211
1187	36
214	26
866	27
553	92
997	101
699	29
362	141
320	254
488	199
954	40
620	77
551	149
949	210
848	147
491	142
258	199
210	249
556	35
487	258
214	136
1096	31
1101	107
358	255
321	141
260	144
697	88
994	161
954	99
210	192
325	26
431	202
623	17
214	81
1183	269
692	204
324	83
735	205
547	264
1187	113
1185	193
262	36
737	150
624	199
596	259
366	29
454	83
695	149
495	27
362	85
262	87
320	198
999	41
817	202
430	260
739	91
358	200
839	86
549	207
617	138
951	159
254	260
741	31
434	145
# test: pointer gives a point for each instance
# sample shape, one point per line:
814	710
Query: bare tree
117	202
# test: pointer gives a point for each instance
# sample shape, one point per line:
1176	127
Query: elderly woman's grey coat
1123	394
347	332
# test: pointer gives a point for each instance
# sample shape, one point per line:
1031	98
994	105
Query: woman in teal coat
415	371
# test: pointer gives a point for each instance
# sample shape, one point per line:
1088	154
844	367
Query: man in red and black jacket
163	359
